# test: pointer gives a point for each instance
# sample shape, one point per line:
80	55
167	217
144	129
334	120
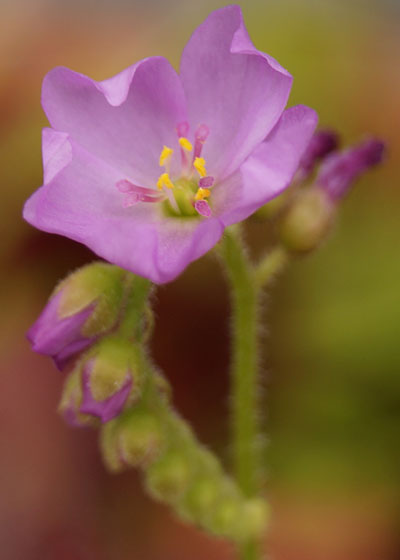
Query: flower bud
169	477
134	440
108	382
321	144
307	221
141	439
201	498
227	515
84	306
254	519
339	171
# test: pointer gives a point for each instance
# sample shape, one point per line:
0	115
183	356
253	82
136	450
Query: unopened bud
110	379
321	144
226	516
104	382
307	221
254	519
140	438
84	306
339	171
169	477
202	497
135	440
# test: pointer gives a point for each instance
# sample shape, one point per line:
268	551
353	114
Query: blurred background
331	372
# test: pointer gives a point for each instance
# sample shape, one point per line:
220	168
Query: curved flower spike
198	151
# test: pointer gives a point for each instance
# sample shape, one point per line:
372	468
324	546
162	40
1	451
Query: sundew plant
152	169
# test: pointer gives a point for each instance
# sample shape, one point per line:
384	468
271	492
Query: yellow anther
185	144
202	194
199	164
164	181
166	154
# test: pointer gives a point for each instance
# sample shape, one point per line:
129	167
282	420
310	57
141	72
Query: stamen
202	193
185	144
164	181
203	208
200	136
135	194
165	155
199	164
206	182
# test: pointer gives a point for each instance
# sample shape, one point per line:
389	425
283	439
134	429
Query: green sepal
97	284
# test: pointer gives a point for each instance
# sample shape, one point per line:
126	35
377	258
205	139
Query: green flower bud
135	440
140	438
254	519
227	515
169	477
201	498
308	221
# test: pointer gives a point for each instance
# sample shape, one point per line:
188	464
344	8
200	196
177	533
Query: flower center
186	195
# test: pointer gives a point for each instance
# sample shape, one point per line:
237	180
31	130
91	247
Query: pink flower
147	168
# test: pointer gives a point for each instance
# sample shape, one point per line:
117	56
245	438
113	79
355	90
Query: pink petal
124	120
269	170
231	87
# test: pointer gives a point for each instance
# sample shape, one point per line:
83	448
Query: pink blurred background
332	357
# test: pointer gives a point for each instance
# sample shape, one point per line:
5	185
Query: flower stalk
247	282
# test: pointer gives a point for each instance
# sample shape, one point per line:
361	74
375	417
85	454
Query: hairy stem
247	282
244	372
136	312
244	363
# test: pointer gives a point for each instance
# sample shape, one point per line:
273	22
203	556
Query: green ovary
183	192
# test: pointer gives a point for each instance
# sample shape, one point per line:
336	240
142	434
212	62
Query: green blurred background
332	355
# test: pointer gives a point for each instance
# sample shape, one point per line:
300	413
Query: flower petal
233	88
124	120
82	203
269	169
182	242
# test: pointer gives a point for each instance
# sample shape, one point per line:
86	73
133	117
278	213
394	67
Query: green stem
137	292
244	362
244	372
247	282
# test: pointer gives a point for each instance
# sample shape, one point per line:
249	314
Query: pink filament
135	194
